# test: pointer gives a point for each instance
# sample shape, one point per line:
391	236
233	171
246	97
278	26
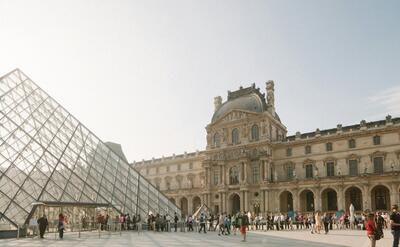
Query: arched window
235	136
234	175
254	132
216	140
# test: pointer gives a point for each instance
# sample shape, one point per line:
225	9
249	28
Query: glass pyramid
47	155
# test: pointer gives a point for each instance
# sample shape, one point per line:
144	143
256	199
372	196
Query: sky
145	73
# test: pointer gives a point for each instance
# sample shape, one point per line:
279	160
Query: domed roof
250	102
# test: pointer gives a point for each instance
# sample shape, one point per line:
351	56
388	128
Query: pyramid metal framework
47	155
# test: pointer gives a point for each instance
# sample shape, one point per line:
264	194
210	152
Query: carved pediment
377	154
235	115
353	157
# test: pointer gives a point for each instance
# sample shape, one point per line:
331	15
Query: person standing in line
61	225
371	228
43	223
176	222
395	225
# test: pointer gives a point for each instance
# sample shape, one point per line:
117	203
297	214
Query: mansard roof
346	129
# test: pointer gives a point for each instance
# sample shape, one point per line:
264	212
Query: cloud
387	101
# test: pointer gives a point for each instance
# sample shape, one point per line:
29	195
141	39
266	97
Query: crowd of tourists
227	224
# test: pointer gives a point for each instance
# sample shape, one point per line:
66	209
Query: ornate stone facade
250	164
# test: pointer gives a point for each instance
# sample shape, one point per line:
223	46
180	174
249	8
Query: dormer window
235	136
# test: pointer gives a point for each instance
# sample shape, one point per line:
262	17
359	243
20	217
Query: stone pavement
270	239
352	238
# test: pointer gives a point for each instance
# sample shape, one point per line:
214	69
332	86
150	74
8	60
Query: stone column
224	202
317	200
210	178
262	204
223	174
241	201
266	201
296	201
246	201
206	177
340	199
267	171
366	198
245	172
394	195
190	205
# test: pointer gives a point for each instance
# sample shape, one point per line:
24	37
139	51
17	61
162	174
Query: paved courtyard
271	239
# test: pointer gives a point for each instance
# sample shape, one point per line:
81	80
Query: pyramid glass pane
47	156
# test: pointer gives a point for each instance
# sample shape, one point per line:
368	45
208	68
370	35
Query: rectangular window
308	149
352	143
157	170
378	165
147	171
289	152
329	146
289	171
190	166
178	167
377	140
167	168
309	171
216	177
330	169
353	167
256	173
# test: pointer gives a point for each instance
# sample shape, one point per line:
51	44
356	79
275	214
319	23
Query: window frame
309	173
381	169
376	140
255	132
235	136
289	152
307	149
352	143
330	168
329	146
350	167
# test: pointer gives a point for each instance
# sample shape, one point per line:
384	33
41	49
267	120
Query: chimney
217	103
270	97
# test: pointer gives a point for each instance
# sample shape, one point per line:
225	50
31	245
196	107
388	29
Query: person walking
243	227
202	223
61	225
43	223
371	229
395	225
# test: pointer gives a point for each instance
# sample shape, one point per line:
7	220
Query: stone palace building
251	164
